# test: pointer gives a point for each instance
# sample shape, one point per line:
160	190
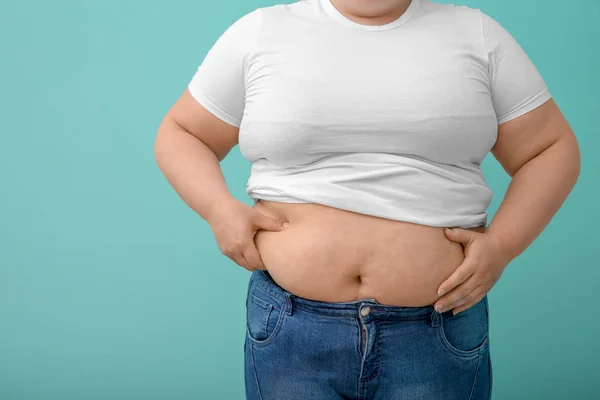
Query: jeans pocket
466	333
264	317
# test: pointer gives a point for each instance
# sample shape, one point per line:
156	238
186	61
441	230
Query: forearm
191	168
536	192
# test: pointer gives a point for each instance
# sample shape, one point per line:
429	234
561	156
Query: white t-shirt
391	120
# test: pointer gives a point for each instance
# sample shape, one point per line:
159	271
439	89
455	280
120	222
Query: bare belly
328	254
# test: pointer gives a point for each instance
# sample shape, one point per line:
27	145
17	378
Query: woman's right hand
234	225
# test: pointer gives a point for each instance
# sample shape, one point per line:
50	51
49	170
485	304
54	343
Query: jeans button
365	311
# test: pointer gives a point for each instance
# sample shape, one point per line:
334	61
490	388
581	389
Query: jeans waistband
265	282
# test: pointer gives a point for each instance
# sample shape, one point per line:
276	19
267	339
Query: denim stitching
476	373
377	361
275	334
255	374
268	309
358	347
487	319
464	355
312	310
489	375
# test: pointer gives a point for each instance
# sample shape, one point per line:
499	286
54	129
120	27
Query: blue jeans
302	349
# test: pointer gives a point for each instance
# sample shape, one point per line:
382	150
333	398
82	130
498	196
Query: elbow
570	153
161	141
575	156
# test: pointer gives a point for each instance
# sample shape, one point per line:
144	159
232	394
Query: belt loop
435	318
288	303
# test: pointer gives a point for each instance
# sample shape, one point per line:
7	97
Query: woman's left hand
481	268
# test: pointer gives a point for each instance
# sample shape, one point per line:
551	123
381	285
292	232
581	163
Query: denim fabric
301	349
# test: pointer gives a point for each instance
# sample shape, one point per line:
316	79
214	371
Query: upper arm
212	106
193	117
529	120
523	138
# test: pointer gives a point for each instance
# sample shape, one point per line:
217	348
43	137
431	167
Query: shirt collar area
333	12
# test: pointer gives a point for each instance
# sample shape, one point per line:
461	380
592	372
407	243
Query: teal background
112	288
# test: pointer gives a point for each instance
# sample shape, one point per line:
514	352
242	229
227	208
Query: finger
247	263
253	257
460	235
267	223
451	298
464	294
468	304
460	275
239	259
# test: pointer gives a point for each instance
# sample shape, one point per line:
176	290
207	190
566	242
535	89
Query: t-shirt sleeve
219	81
516	85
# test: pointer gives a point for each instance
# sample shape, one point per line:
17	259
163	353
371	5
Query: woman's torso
317	94
329	254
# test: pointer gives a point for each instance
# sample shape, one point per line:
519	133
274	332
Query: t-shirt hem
438	221
212	107
535	102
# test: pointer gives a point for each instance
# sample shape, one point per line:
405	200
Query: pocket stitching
458	352
260	301
277	327
268	309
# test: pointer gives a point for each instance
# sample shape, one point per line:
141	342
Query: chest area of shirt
306	79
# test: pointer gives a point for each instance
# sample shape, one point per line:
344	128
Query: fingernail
286	224
440	309
441	292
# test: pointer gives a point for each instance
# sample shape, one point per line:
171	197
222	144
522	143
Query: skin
329	254
368	12
538	150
